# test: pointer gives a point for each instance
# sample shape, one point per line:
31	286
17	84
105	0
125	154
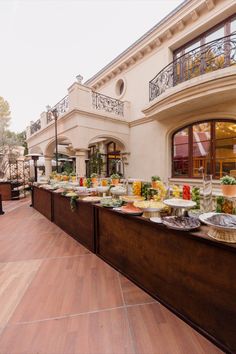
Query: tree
4	123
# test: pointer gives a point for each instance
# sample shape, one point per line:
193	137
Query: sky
46	43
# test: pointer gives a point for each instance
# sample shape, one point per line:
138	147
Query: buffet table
5	190
188	272
79	224
42	200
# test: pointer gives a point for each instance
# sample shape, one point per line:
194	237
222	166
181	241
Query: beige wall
149	143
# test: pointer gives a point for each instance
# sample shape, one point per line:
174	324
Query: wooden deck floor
58	298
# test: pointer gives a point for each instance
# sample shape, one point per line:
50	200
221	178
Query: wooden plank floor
56	297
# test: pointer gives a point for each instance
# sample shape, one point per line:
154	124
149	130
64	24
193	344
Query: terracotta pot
115	181
155	184
229	190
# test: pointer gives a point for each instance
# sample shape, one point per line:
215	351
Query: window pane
225	130
181	151
202	149
233	26
215	35
202	132
192	46
180	168
201	162
225	156
180	161
181	137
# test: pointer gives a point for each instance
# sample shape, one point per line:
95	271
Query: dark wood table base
189	273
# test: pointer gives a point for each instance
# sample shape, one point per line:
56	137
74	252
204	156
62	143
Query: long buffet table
78	224
188	272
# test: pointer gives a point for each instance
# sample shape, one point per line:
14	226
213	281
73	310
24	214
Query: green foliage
115	176
96	163
155	178
73	203
227	180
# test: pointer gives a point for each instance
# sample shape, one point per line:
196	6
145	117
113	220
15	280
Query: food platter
222	227
91	199
219	220
179	203
131	209
182	223
150	206
102	189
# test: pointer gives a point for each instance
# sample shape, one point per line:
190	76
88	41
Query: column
81	155
48	165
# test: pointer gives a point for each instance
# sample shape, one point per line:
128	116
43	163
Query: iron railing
108	104
62	107
35	126
209	57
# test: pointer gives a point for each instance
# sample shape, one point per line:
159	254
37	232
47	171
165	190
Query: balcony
215	55
35	126
108	104
61	107
83	100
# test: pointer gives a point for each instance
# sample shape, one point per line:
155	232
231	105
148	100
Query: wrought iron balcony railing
61	107
35	126
108	104
209	57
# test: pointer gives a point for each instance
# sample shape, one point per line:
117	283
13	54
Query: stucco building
166	105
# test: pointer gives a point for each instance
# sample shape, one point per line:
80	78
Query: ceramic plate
156	219
179	203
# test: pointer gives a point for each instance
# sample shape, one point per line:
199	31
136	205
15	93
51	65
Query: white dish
179	203
102	189
156	219
205	216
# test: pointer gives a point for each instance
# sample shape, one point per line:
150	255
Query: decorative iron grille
209	57
35	126
108	104
62	107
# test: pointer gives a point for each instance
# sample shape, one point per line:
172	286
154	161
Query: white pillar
81	156
48	165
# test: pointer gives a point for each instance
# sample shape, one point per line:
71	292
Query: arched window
209	144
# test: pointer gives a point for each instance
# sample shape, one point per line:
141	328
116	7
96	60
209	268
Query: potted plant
94	178
228	186
73	176
155	180
115	178
65	176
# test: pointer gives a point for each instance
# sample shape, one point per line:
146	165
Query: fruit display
225	205
150	205
145	189
176	191
186	192
137	188
161	191
196	196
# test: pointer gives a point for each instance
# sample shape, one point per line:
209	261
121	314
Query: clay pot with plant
115	178
155	181
228	186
